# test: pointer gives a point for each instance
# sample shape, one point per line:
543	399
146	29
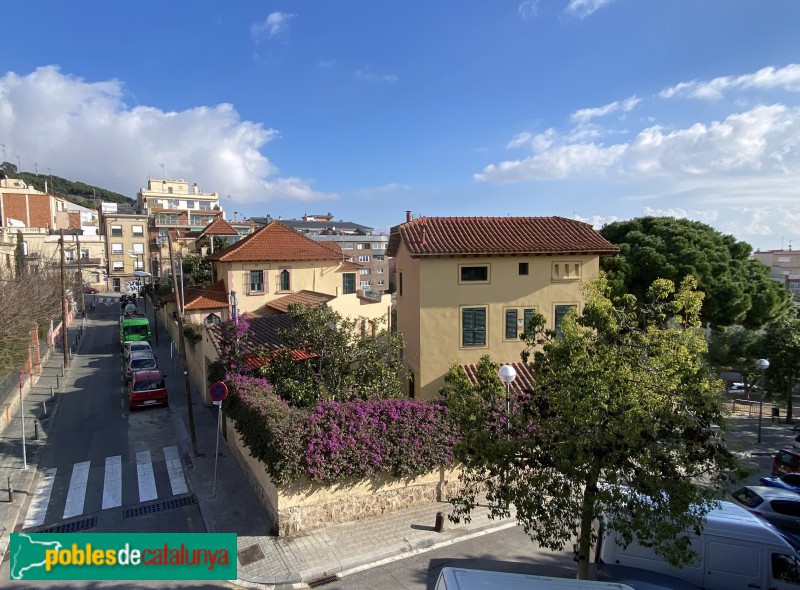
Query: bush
336	441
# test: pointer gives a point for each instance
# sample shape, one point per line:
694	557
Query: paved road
104	467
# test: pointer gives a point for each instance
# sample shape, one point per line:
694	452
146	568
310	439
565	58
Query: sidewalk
40	409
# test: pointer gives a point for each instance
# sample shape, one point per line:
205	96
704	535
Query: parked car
787	481
140	361
147	388
135	346
777	506
786	461
736	388
90	290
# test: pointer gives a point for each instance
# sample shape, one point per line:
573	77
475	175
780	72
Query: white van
456	578
736	551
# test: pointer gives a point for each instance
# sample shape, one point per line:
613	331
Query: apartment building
127	249
784	266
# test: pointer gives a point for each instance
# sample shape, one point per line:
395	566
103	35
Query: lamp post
763	364
507	374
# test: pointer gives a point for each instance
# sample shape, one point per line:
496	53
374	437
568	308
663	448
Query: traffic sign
218	391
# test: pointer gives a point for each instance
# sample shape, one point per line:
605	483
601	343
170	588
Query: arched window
286	284
212	318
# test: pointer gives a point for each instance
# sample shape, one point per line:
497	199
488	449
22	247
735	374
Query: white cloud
677	213
390	187
367	74
764	141
597	221
276	24
586	115
786	78
528	8
583	8
90	134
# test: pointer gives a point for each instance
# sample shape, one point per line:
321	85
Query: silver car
140	361
777	506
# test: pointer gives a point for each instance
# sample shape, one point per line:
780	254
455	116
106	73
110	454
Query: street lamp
763	364
507	374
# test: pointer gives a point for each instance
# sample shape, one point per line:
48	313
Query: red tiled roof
443	236
347	265
218	227
254	362
276	242
261	332
523	382
214	297
303	297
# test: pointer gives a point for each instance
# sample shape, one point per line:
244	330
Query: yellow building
466	286
276	266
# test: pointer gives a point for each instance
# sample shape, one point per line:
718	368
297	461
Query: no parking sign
218	391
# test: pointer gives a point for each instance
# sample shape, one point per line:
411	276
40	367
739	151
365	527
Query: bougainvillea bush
335	441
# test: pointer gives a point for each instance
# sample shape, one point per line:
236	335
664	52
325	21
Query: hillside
76	192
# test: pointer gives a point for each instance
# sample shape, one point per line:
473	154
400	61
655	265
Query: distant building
357	242
784	266
127	249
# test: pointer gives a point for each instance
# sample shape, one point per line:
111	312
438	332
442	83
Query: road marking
144	473
112	482
77	489
175	470
41	498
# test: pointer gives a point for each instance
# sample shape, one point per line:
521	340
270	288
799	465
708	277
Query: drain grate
159	507
322	581
72	527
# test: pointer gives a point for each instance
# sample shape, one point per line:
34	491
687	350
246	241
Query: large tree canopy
623	401
780	344
737	290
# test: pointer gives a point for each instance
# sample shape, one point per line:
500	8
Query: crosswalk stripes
50	491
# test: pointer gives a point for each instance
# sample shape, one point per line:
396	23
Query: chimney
408	215
235	213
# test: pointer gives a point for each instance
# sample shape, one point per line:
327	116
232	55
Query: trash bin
776	413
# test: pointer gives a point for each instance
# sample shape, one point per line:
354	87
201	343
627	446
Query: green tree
623	422
737	290
734	348
345	358
781	345
19	257
196	271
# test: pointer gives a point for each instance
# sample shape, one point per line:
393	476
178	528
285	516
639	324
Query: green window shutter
528	315
511	323
473	326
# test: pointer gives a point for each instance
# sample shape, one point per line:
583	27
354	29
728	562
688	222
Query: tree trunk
587	516
789	388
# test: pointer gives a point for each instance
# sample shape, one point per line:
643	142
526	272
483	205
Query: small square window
116	248
523	268
137	230
116	231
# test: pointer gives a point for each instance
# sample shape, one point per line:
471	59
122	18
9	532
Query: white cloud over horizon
768	78
275	25
583	8
90	131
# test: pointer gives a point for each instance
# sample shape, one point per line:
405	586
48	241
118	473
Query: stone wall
303	505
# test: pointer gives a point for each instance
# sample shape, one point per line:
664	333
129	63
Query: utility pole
64	338
182	342
80	275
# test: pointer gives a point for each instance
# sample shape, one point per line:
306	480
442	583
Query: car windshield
136	330
145	363
148	385
789	459
747	497
138	346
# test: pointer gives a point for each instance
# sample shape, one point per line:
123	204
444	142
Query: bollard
58	384
44	405
52	393
10	491
35	430
439	526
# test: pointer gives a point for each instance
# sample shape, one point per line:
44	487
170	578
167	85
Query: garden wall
304	505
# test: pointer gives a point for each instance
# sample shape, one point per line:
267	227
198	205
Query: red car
147	388
90	290
786	461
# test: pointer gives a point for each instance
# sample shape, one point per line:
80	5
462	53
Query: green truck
133	328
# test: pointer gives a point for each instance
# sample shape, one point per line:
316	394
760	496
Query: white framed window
69	255
364	271
380	282
379	271
138	248
363	258
137	230
190	204
84	253
116	248
205	206
117	266
138	264
174	203
116	231
347	245
379	257
365	284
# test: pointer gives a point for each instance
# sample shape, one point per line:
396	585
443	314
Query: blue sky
598	110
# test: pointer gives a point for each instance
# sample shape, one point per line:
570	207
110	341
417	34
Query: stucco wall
436	342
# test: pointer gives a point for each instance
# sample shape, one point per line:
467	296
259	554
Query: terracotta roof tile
214	297
218	227
303	297
276	242
261	332
443	236
523	382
